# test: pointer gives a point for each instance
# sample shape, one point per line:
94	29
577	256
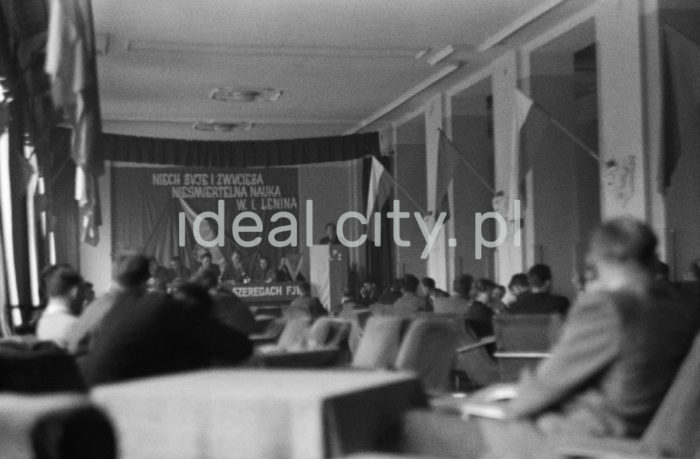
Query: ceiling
342	66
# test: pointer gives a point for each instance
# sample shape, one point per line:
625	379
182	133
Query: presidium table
258	413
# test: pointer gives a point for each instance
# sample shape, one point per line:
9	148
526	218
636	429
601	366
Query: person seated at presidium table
206	264
235	271
177	270
264	272
282	273
620	349
539	300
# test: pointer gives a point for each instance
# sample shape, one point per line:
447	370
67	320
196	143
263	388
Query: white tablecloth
257	413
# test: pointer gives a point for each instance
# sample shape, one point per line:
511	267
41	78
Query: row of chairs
435	346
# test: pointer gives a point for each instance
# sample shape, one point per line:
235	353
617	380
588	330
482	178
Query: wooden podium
329	272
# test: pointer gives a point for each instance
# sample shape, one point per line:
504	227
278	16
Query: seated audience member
206	264
227	308
305	305
130	274
158	277
479	314
517	286
331	236
459	302
64	289
157	334
369	292
235	270
620	349
409	302
177	270
539	300
430	292
390	295
283	275
497	305
264	272
347	305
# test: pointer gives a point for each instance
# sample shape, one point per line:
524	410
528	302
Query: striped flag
537	130
446	165
381	185
72	68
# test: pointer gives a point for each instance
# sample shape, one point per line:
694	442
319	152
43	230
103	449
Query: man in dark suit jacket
619	352
156	335
539	300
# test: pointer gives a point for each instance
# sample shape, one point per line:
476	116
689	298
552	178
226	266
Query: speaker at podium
329	272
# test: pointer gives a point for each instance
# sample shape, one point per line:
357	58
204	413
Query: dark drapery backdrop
259	153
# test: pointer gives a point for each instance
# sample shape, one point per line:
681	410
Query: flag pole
468	164
571	135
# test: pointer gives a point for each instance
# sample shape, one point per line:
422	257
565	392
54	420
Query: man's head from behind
463	285
427	285
409	283
518	284
482	290
622	254
65	284
131	272
540	278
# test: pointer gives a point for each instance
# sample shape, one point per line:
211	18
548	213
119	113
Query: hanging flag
536	128
446	164
381	185
681	102
72	67
448	158
532	124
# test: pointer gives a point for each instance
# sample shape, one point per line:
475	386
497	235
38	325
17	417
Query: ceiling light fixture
231	94
215	126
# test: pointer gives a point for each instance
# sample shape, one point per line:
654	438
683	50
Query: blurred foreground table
301	414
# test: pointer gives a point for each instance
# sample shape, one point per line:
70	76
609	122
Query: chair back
429	350
674	430
523	340
295	333
526	332
380	342
33	366
327	331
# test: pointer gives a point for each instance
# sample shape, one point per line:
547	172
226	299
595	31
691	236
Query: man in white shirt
64	288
